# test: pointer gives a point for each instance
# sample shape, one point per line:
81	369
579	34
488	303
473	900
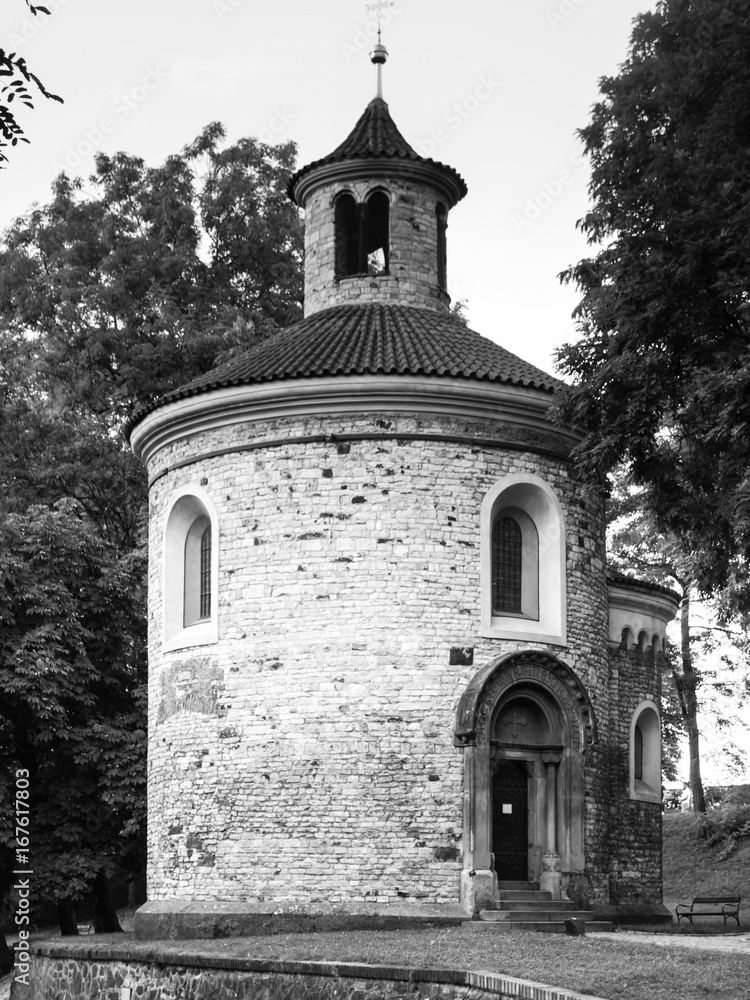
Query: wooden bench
710	906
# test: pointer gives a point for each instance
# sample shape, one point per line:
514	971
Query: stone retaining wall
101	972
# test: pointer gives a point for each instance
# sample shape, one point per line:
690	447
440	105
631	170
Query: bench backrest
717	899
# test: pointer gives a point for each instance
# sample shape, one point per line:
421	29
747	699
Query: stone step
517	885
516	894
534	904
514	916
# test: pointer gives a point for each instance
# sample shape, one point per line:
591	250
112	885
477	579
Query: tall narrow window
645	753
191	570
362	235
376	233
197	603
507	566
346	224
638	753
205	597
442	252
523	561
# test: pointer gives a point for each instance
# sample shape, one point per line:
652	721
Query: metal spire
379	54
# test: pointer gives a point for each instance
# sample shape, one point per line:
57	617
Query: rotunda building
388	675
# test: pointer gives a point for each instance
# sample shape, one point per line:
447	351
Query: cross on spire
378	8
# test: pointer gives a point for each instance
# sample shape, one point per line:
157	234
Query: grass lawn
614	970
609	969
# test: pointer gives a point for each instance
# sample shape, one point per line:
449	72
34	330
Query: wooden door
510	820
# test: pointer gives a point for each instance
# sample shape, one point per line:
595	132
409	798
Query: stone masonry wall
106	973
308	754
636	860
413	277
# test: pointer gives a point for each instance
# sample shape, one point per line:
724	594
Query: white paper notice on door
507	808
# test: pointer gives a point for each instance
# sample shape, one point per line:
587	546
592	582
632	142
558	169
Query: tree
662	369
17	90
637	544
72	683
108	299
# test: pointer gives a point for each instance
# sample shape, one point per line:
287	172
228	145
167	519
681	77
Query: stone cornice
519	414
642	598
442	179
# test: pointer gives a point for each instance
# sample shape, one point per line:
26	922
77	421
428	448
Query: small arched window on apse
362	235
643	643
626	642
656	646
441	214
645	754
523	561
190	570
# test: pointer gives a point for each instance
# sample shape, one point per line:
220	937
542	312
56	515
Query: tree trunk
689	703
66	916
105	917
7	959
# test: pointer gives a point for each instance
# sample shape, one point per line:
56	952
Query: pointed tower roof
375	146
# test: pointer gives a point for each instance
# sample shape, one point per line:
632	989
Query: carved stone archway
533	710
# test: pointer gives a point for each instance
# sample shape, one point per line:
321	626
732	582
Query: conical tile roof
376	136
370	340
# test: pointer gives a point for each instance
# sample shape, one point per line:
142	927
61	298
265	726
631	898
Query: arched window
197	572
442	247
190	570
523	561
645	754
515	564
638	753
362	235
377	224
346	223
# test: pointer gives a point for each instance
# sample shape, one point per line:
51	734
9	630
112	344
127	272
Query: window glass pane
205	584
638	753
507	563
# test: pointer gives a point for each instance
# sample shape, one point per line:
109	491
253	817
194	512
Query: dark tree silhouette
17	90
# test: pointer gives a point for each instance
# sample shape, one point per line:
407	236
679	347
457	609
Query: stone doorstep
539	911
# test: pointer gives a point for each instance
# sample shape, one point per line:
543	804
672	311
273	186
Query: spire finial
379	54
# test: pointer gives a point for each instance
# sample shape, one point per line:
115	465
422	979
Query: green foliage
15	91
662	369
108	297
726	826
72	641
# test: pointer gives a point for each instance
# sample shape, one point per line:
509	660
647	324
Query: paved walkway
739	943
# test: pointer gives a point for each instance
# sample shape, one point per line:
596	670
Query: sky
494	88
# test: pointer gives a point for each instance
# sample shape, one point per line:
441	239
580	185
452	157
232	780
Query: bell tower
376	215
